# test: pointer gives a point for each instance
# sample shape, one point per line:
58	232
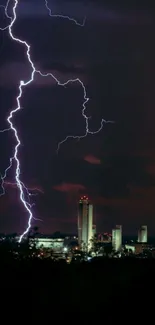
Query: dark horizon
57	233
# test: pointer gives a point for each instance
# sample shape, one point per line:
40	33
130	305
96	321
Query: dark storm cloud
114	55
132	211
79	10
67	187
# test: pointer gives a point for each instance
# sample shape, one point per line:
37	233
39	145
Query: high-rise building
117	238
85	223
142	234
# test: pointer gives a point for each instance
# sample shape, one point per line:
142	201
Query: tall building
85	223
117	238
142	234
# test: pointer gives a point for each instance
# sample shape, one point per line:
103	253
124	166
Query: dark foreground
105	290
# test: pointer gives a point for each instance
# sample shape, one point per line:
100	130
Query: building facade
85	223
142	234
117	238
56	244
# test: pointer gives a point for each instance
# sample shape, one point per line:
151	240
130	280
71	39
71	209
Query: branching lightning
22	188
62	16
14	185
4	176
6	14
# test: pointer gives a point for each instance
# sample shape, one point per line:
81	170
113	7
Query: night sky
114	55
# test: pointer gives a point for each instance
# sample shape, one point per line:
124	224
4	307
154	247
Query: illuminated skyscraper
85	223
142	234
117	238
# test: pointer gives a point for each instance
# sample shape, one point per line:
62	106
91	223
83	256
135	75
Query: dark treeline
102	288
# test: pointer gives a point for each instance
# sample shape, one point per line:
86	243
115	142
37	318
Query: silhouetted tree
108	250
28	245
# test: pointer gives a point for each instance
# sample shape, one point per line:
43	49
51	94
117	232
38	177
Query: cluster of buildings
117	239
87	230
88	242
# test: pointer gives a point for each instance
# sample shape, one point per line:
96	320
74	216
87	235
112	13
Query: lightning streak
6	13
23	84
62	16
11	184
4	176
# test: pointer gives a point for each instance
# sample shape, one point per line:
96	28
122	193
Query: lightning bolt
11	184
64	17
6	14
22	188
4	176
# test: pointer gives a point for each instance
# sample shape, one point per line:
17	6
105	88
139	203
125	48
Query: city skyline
114	56
86	227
